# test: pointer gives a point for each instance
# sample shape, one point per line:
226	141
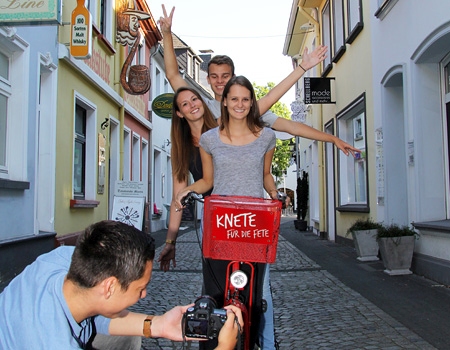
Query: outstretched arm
309	60
170	61
302	130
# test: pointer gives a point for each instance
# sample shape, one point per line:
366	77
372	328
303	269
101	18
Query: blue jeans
267	327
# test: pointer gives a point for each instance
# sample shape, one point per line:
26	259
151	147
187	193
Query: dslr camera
204	320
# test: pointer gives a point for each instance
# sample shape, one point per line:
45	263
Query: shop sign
27	12
80	35
162	105
318	91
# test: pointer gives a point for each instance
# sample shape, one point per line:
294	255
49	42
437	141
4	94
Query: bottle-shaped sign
80	38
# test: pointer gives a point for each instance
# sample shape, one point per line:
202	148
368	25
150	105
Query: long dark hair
254	122
181	136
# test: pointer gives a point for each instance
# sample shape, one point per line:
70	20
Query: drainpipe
320	151
121	116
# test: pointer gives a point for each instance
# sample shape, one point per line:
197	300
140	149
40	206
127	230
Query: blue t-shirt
34	313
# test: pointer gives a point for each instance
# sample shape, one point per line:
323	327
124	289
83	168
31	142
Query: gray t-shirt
238	170
214	105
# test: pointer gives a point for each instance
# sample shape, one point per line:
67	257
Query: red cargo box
241	228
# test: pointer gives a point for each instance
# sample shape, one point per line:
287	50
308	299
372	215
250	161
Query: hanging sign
317	91
162	105
80	36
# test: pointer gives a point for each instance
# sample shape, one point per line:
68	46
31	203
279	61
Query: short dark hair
110	248
222	59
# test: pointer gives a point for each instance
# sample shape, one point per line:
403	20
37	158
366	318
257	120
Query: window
79	158
5	93
326	33
338	30
85	161
136	158
106	19
126	154
353	178
354	19
384	6
14	87
189	64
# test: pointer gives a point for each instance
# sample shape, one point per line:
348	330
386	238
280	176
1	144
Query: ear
110	286
179	114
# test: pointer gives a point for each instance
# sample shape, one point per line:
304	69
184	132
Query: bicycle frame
244	230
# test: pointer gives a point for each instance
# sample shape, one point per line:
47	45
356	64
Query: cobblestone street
313	309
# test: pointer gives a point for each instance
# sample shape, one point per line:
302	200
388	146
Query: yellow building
103	124
341	188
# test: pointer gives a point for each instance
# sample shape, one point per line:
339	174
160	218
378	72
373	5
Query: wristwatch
148	326
170	241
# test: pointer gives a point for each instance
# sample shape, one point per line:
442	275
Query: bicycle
243	231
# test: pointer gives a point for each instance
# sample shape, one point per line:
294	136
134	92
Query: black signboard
317	90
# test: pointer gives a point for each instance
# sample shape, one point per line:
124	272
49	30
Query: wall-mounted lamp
166	142
307	26
105	124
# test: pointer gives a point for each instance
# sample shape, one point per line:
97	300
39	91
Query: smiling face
189	106
218	76
121	300
238	102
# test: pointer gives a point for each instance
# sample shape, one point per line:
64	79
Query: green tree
282	155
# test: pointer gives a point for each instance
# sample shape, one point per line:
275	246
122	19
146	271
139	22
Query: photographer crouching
77	297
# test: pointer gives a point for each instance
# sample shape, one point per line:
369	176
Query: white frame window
353	173
445	73
326	35
14	87
136	158
126	154
90	159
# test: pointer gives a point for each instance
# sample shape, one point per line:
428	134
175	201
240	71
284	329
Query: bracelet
148	327
302	67
170	241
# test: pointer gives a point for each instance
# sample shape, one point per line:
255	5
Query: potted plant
302	202
396	244
364	233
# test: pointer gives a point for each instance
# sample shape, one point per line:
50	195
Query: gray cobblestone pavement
313	309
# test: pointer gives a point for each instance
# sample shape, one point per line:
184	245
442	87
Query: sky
251	32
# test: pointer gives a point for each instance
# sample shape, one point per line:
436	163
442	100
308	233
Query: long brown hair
254	122
183	144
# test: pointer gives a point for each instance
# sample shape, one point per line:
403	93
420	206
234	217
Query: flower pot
366	244
396	253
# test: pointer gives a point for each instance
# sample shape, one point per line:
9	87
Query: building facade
28	86
390	80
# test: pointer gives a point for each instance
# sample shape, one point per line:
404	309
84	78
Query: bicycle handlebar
191	197
194	196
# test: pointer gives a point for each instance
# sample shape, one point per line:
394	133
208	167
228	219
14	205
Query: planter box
396	253
366	244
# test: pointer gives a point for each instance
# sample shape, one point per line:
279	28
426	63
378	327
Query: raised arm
309	60
170	61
